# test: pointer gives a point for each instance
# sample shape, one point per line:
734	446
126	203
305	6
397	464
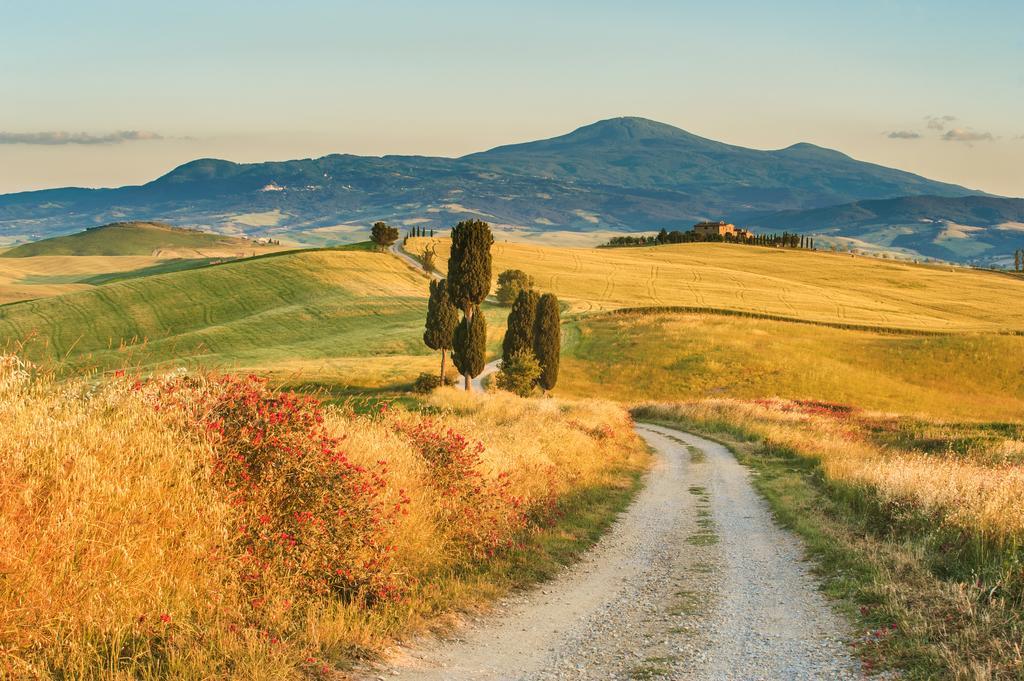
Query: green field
335	317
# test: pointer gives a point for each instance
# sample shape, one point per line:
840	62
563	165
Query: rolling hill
971	228
136	238
688	321
819	287
619	174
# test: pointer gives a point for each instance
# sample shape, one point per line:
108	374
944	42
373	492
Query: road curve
693	581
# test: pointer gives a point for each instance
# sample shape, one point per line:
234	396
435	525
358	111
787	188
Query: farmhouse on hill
720	228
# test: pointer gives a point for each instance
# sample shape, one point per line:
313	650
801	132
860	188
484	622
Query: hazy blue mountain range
620	174
971	228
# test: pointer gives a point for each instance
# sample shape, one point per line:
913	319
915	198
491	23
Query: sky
106	93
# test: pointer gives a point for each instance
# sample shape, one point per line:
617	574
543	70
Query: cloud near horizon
63	137
967	135
903	135
938	122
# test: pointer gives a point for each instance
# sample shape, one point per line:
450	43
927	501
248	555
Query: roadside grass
694	356
935	595
803	285
158	585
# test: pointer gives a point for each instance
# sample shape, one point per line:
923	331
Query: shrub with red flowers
481	514
303	514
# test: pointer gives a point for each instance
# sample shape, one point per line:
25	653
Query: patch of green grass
703	538
163	267
652	668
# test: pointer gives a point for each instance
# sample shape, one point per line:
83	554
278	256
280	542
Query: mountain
131	238
981	229
618	174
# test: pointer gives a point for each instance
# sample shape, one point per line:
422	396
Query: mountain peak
808	150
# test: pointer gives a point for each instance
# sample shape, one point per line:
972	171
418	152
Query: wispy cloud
938	122
63	137
967	135
903	135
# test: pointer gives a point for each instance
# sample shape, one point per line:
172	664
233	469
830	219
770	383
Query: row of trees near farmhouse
455	323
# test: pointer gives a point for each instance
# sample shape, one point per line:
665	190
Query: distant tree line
417	231
784	240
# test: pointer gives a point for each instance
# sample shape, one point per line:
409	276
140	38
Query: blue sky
932	87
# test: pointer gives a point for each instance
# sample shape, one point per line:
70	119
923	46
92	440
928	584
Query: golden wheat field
133	544
811	286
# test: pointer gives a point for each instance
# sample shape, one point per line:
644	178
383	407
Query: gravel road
694	581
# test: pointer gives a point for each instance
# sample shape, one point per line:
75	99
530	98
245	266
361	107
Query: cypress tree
469	276
521	320
469	266
442	318
547	339
470	346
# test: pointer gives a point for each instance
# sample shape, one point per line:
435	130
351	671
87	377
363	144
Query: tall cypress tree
442	318
469	266
521	320
470	346
469	281
547	339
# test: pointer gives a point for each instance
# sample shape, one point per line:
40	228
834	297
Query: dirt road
694	581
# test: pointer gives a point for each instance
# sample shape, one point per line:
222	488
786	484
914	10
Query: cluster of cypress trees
418	231
534	326
534	322
1018	260
467	285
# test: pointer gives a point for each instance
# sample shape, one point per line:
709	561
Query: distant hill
131	238
621	174
972	228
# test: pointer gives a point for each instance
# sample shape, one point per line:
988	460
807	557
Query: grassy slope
46	275
816	287
326	316
691	356
130	238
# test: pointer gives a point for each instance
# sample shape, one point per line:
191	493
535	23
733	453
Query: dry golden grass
52	275
981	497
810	286
110	525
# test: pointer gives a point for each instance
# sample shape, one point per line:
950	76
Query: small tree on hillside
510	283
429	259
383	234
442	318
519	373
469	282
470	346
547	339
519	330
